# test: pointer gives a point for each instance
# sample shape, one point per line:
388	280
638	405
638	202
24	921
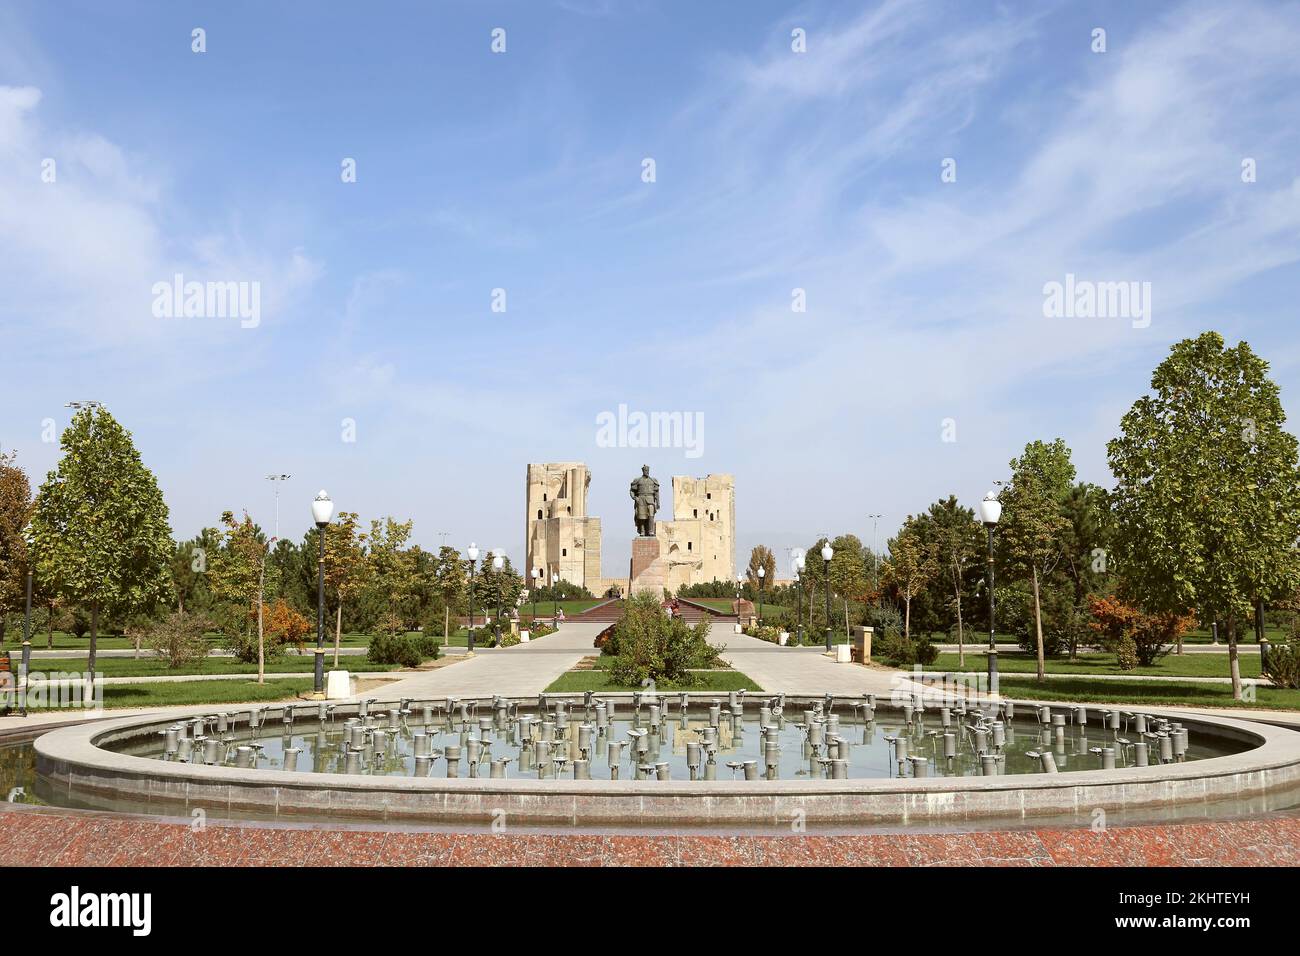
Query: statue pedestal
649	570
645	551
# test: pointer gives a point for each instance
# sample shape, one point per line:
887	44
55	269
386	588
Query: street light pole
497	563
827	553
322	508
762	573
537	581
27	620
275	481
798	615
472	553
990	512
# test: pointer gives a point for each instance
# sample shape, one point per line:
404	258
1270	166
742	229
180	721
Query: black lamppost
827	553
498	562
537	583
990	512
762	573
27	618
472	553
322	508
799	564
555	604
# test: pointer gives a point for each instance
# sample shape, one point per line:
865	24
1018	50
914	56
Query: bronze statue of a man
645	495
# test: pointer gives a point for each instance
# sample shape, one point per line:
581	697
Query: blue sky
522	171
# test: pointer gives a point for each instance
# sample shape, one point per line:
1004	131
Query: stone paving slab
524	670
41	836
799	670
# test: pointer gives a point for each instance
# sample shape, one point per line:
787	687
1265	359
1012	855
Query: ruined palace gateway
696	545
559	537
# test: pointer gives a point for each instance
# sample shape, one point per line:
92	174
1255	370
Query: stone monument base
649	569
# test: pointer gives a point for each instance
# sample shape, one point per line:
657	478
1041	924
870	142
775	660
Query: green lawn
772	613
149	666
547	608
574	682
1153	692
202	692
1171	665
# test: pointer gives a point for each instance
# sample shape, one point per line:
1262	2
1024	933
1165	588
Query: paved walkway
524	670
798	670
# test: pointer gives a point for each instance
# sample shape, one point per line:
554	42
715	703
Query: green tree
1033	525
850	579
390	570
910	567
100	529
1086	562
1207	494
761	557
188	567
238	577
15	512
451	582
346	568
955	537
495	589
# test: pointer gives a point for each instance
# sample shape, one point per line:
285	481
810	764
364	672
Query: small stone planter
784	638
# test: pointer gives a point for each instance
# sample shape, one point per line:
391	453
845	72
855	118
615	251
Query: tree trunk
338	632
1038	627
1234	665
847	635
49	629
446	625
90	658
907	616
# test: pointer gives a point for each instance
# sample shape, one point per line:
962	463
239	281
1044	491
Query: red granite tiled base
41	836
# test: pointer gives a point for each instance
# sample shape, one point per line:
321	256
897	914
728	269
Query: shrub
80	623
1134	636
540	630
1017	616
1284	664
403	650
286	625
572	592
899	651
179	639
766	632
242	643
650	645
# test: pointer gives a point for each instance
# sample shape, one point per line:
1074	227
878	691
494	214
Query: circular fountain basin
125	761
